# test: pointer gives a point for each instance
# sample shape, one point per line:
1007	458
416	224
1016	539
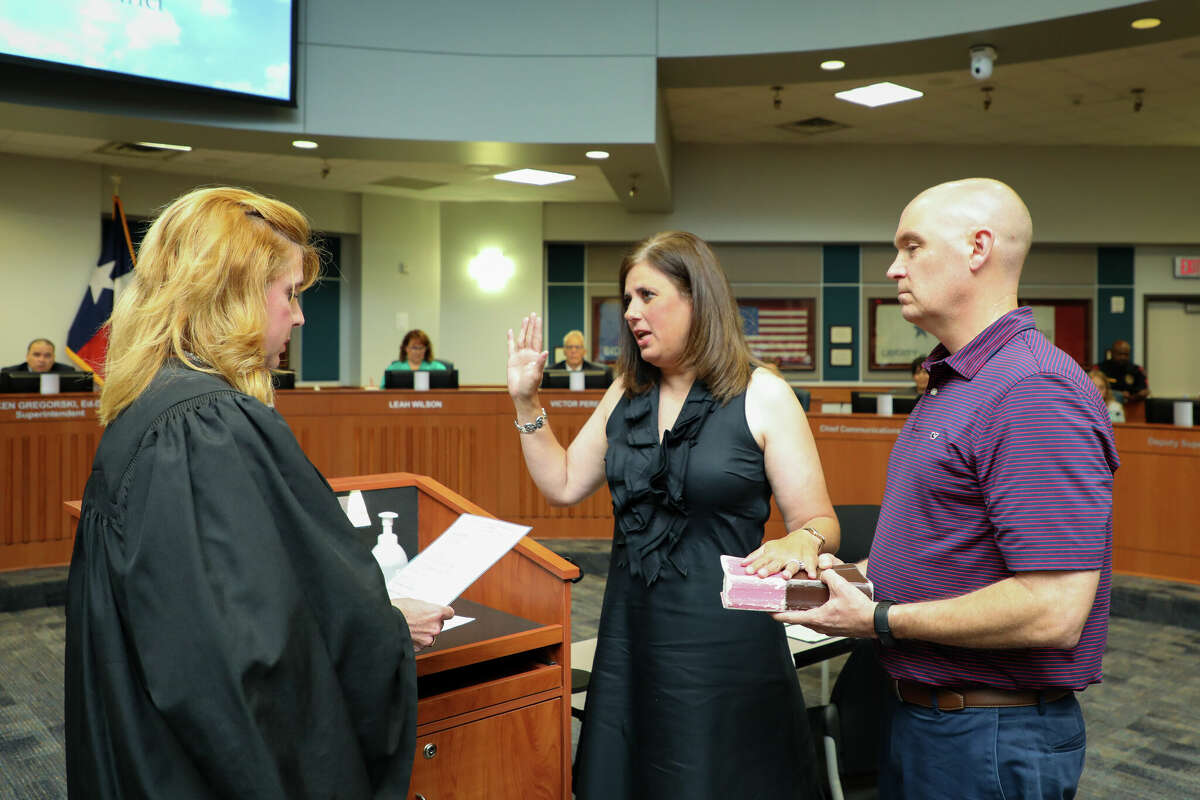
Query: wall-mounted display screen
244	47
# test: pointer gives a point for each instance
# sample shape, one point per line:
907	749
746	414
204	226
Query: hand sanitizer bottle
387	550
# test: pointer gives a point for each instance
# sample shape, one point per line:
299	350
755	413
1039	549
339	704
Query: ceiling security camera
983	58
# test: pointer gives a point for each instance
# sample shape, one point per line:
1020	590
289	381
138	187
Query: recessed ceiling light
879	94
537	177
183	148
304	144
599	155
832	65
1145	23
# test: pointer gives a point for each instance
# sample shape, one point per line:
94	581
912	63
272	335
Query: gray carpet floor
1143	735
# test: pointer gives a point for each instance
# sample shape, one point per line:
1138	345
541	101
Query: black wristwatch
882	630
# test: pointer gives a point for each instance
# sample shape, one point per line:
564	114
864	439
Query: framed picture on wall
1066	322
894	341
779	330
607	320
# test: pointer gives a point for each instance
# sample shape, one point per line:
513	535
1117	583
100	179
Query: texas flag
87	341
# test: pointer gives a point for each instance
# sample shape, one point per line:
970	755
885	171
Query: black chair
448	364
847	731
804	396
283	379
858	531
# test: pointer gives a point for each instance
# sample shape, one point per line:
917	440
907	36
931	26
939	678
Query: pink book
774	593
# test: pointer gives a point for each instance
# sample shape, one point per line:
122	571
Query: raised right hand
526	359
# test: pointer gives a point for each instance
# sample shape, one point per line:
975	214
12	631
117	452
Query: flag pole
120	213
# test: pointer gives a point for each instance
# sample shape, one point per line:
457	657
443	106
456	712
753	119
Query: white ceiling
1077	100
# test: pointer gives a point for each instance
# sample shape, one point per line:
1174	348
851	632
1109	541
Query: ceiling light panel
879	94
536	177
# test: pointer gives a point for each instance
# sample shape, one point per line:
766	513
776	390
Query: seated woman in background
416	353
1116	411
920	375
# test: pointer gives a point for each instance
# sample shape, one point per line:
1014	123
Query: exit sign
1187	266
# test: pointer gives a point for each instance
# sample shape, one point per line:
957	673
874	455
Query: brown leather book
773	593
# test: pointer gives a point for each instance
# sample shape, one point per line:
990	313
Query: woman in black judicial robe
227	636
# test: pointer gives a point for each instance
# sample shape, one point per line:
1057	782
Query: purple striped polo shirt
1005	465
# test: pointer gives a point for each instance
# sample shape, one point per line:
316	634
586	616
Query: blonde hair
1101	384
199	293
716	346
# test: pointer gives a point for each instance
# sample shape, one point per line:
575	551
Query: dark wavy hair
716	347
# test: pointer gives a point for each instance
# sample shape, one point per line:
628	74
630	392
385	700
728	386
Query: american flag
778	329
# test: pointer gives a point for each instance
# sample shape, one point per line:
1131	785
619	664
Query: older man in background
39	357
573	354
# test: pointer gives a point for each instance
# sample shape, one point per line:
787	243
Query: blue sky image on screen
234	45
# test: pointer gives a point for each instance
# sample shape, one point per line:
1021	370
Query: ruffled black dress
687	699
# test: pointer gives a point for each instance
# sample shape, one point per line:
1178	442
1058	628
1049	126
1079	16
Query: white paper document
455	621
356	509
803	634
467	549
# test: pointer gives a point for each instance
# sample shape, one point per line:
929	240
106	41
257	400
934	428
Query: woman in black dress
686	699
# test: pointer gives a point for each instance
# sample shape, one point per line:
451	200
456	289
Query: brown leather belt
945	698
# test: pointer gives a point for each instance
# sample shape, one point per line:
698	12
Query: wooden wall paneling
854	451
45	461
1156	502
1155	498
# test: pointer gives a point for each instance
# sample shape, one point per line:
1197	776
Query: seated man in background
573	349
1124	377
39	357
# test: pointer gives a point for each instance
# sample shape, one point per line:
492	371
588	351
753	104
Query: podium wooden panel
47	443
493	719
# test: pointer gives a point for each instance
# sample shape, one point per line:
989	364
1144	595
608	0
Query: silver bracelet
532	427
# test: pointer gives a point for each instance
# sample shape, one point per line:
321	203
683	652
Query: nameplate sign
574	403
1164	443
48	408
415	405
889	430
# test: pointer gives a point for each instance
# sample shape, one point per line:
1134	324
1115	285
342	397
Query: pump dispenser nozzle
387	550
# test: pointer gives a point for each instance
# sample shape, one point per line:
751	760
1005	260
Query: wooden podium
494	707
494	714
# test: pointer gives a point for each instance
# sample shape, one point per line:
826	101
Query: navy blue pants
982	753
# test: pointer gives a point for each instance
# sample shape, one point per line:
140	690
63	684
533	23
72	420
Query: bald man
39	357
1124	377
992	559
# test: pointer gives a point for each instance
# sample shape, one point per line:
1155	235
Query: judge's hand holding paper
424	619
444	570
